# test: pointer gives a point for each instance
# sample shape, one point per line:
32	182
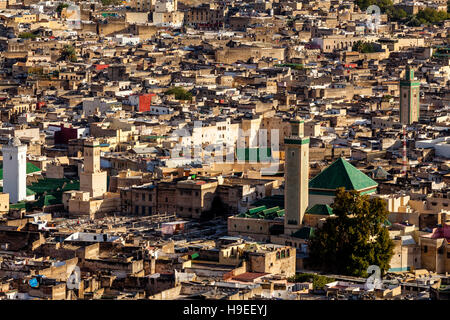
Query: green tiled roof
342	174
271	210
263	212
29	191
48	192
271	201
320	209
19	205
304	233
380	173
31	168
47	200
49	185
254	154
257	209
299	140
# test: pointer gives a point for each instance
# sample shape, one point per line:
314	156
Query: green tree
317	280
355	239
396	14
111	2
383	4
364	47
27	35
386	6
60	7
386	97
431	16
68	53
180	93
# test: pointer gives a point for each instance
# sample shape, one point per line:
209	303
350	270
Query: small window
425	249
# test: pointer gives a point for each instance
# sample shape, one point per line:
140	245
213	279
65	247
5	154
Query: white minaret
15	170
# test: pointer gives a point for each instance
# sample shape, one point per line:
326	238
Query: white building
15	170
127	40
441	146
93	106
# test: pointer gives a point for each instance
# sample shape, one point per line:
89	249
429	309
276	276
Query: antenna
404	159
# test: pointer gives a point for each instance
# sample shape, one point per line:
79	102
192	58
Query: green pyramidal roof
304	233
320	209
342	174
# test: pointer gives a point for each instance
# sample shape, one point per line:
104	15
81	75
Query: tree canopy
317	280
111	2
355	239
425	16
364	47
431	16
386	6
180	93
68	53
27	35
61	6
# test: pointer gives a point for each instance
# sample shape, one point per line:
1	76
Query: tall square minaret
15	170
296	173
92	179
409	98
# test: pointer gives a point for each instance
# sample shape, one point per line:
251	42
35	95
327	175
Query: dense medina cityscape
225	150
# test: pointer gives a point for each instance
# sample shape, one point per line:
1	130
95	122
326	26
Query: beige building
4	203
329	43
142	5
92	179
245	52
435	252
81	204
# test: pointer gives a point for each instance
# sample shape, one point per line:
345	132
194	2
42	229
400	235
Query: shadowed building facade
409	98
296	177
